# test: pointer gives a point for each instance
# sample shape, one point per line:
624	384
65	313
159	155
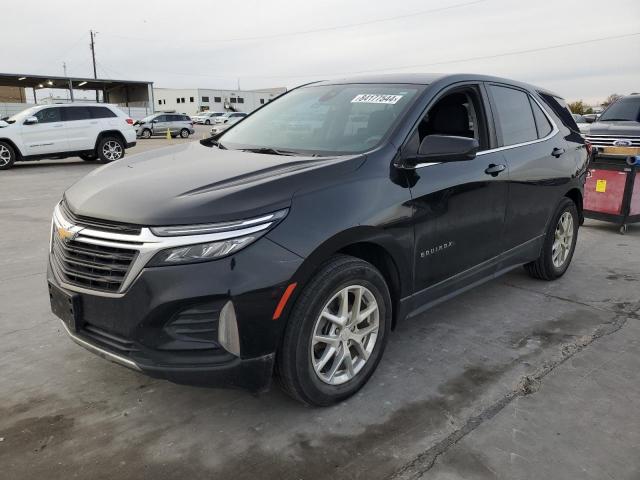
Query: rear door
538	164
80	128
48	135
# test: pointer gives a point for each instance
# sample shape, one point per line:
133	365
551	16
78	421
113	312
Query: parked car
616	133
591	117
582	123
229	116
159	123
298	251
206	118
221	127
92	132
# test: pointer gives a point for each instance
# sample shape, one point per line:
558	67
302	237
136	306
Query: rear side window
559	107
48	115
542	122
76	113
101	112
515	116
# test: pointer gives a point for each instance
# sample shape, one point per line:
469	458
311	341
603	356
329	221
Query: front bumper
153	326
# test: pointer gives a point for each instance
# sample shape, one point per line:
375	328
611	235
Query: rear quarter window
559	107
101	112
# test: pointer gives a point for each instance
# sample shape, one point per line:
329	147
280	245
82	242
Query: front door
47	136
459	206
160	125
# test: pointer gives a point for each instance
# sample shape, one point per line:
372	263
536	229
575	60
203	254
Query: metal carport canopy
51	81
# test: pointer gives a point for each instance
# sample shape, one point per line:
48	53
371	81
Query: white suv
91	131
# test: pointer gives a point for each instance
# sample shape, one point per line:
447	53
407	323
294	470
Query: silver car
230	117
157	124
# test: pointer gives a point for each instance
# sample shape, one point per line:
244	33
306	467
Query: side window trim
502	147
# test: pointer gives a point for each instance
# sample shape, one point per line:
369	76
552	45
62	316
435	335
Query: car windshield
626	109
324	119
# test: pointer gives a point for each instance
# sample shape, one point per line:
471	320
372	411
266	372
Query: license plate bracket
66	306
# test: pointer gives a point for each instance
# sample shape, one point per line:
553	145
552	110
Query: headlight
201	252
223	239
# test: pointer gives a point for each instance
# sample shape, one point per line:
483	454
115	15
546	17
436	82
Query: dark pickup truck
616	134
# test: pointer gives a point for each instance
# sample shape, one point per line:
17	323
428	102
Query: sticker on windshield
376	98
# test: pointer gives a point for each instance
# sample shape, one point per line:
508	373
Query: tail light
129	121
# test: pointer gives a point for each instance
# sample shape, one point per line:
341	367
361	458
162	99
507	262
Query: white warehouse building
193	100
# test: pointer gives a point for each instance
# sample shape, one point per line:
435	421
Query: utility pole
64	68
93	56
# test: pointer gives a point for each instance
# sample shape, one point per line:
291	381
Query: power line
420	65
324	29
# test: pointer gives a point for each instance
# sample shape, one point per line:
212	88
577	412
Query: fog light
228	329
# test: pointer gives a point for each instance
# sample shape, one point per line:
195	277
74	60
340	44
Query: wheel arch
14	146
576	196
108	133
372	245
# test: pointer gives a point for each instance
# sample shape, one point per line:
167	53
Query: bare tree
614	97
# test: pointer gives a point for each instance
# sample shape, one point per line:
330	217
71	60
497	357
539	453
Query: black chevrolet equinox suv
290	245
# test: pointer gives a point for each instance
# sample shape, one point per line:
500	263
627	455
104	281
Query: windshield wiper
270	151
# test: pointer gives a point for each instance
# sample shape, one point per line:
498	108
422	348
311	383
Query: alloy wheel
563	240
344	335
5	156
112	150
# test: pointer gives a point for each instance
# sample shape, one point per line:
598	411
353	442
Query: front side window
514	115
325	119
49	115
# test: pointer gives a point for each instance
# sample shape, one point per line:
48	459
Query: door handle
557	152
494	170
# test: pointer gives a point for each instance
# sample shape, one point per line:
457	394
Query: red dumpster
612	193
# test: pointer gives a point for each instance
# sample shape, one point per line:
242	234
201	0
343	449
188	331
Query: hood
628	128
192	183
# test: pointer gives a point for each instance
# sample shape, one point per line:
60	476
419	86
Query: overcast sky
262	43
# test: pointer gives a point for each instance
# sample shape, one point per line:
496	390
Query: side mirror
445	148
154	121
31	120
590	119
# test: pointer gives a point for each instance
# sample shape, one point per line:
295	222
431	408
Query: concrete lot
516	379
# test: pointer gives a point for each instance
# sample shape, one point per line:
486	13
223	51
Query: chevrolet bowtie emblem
66	235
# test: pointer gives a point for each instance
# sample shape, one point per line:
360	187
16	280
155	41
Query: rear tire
559	243
110	149
331	347
184	133
7	156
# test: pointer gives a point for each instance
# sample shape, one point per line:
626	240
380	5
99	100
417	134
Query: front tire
110	149
336	334
559	243
146	133
7	156
207	122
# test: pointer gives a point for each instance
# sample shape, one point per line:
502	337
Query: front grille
608	140
96	224
110	340
95	267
